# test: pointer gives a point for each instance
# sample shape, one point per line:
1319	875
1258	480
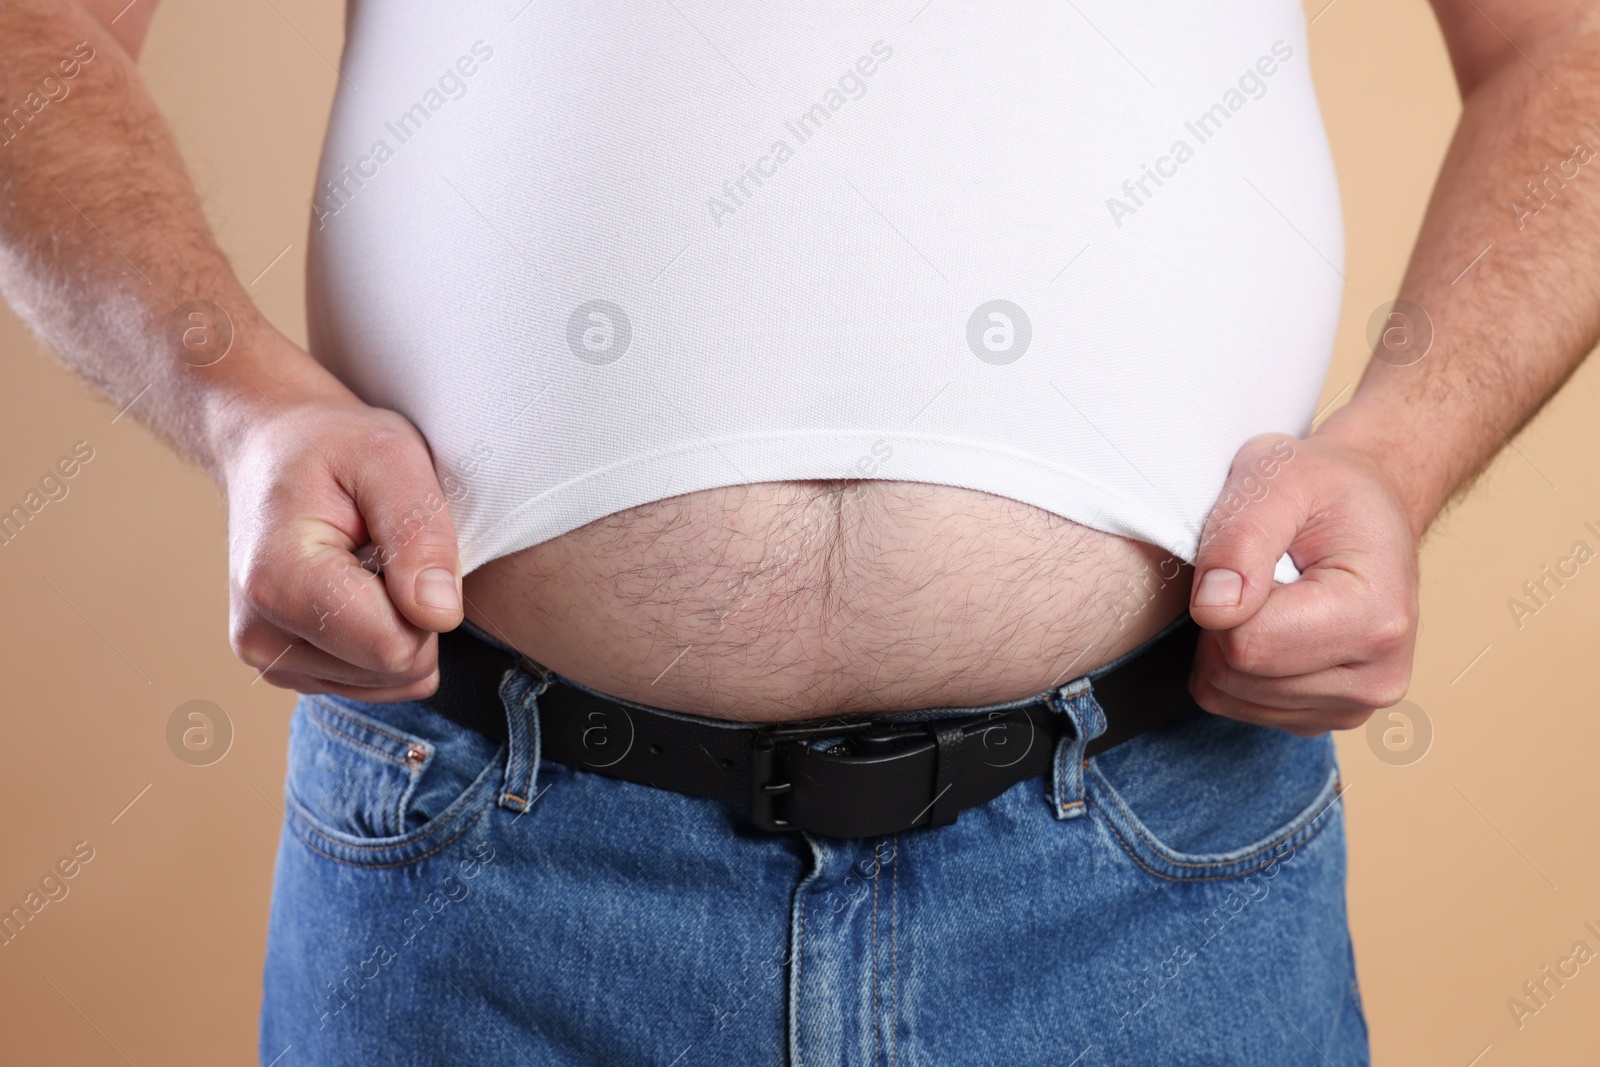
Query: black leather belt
839	777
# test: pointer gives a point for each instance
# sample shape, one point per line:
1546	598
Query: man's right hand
309	484
312	474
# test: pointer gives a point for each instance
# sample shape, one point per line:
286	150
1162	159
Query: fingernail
436	588
1219	588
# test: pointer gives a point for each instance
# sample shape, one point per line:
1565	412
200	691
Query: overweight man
798	529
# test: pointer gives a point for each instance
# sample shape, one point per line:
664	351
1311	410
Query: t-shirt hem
923	458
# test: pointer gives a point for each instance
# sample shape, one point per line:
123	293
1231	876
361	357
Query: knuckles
1391	633
1386	691
389	444
386	446
1204	694
290	680
260	590
394	653
1346	706
297	468
264	606
1352	719
1248	649
420	689
1242	650
251	639
306	456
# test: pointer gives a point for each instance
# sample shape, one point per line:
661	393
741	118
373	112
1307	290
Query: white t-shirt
605	253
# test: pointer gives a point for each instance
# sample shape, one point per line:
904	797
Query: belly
788	600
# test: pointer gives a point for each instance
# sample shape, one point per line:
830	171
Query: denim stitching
520	714
894	949
306	817
398	863
1062	748
334	731
1302	827
333	709
1061	771
1167	854
1083	768
461	805
530	712
799	990
1210	878
393	816
876	1018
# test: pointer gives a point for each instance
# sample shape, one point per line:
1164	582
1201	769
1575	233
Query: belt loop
1076	701
519	692
948	739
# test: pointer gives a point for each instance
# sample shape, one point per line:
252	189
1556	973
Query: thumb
413	539
1247	533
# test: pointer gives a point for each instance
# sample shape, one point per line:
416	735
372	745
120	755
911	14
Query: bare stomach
792	600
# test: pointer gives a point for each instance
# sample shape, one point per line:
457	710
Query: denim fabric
445	899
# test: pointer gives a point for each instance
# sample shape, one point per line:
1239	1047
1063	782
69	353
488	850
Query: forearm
102	238
1509	330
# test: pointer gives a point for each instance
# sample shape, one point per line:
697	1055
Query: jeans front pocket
384	784
1207	798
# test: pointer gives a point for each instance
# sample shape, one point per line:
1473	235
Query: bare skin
782	600
792	599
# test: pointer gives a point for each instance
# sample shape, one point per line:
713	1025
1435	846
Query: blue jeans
442	898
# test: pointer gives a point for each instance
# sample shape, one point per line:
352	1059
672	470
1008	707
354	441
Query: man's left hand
1324	652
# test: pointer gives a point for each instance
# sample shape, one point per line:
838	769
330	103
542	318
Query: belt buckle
770	780
764	747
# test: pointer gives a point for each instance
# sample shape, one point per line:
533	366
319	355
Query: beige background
1471	869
